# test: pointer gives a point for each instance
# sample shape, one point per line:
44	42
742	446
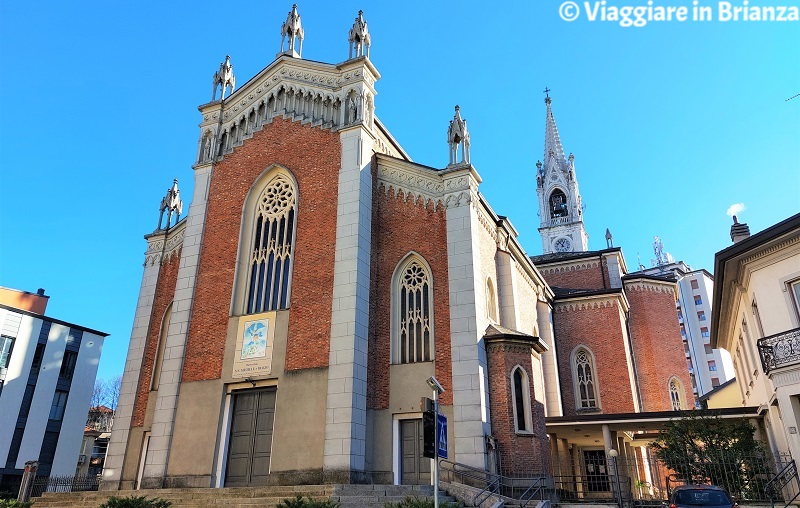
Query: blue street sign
441	440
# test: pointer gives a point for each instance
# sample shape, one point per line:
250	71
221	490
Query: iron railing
646	479
782	484
523	490
43	484
779	350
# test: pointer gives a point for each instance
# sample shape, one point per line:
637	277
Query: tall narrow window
676	394
270	260
68	365
584	379
6	344
58	406
412	297
795	289
158	362
491	301
522	400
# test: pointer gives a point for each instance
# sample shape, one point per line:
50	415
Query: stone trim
650	286
584	302
425	185
163	245
770	250
569	267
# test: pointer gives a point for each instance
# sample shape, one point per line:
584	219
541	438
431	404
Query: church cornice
649	285
448	188
609	299
162	245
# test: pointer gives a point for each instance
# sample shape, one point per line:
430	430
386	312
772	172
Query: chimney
739	232
40	292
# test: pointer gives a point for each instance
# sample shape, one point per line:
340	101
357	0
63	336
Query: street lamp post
437	389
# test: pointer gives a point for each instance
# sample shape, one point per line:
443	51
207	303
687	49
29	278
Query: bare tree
103	403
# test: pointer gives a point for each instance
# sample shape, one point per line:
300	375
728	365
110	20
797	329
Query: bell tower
560	206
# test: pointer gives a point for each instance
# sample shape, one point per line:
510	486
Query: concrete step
349	496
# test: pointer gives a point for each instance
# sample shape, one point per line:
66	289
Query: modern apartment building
47	373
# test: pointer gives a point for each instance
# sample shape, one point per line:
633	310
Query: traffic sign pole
436	453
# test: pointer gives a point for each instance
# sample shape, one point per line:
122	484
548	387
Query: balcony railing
779	350
557	221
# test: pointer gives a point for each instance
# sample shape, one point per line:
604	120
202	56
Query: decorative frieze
586	304
162	245
324	95
565	268
424	185
650	286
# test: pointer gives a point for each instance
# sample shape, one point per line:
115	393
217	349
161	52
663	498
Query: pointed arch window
271	252
413	329
584	378
158	361
520	390
558	204
676	395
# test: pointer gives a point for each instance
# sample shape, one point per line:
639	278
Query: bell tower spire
560	205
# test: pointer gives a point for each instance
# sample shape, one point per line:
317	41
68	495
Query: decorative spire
171	203
609	239
292	28
223	78
359	37
553	151
457	134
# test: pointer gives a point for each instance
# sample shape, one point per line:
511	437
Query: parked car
707	496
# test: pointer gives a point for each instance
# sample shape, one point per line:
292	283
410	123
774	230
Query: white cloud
735	208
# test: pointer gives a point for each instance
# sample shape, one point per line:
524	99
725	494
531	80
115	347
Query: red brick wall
601	328
520	454
400	226
164	294
313	156
581	275
657	344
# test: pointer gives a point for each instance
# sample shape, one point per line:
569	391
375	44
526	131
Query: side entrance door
250	444
414	468
596	471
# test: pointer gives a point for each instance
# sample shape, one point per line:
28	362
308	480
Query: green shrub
308	502
415	502
13	503
135	502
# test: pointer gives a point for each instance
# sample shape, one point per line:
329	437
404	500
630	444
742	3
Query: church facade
287	325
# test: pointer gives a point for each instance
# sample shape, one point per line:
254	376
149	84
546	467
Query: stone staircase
348	496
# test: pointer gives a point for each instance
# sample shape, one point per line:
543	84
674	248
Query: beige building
756	316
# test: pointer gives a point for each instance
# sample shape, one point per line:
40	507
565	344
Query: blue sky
670	123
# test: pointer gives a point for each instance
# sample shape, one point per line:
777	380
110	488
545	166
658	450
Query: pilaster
118	443
167	402
552	386
345	428
467	318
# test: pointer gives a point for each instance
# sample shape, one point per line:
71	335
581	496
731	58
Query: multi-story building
47	374
756	316
709	367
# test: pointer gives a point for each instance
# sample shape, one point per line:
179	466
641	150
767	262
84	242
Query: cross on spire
546	93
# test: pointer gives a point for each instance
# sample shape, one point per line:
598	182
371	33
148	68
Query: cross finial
547	92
